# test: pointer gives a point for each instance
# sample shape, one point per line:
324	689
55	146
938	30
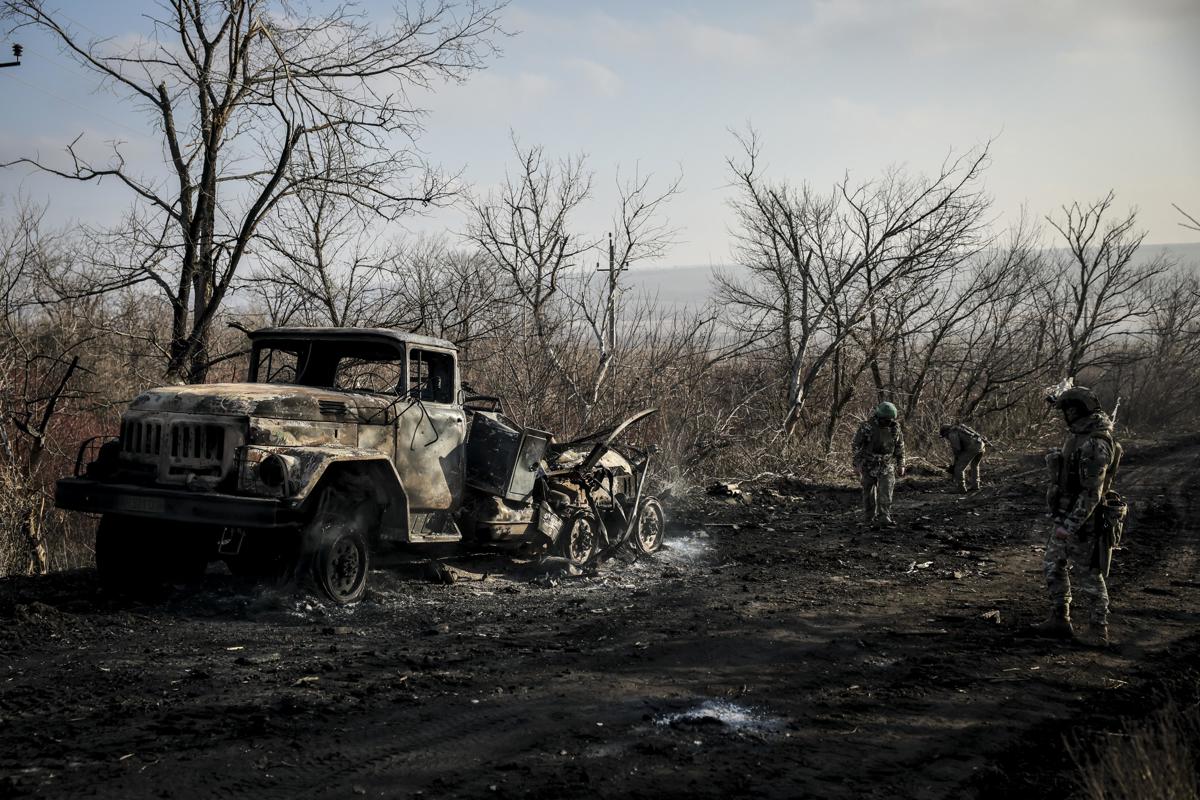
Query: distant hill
685	286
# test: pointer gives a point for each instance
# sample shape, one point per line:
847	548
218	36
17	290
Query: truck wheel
122	561
134	555
578	542
341	565
651	524
335	545
185	551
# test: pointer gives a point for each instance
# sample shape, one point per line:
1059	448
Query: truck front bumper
209	508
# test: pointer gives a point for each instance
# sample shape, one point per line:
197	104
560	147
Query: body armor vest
883	440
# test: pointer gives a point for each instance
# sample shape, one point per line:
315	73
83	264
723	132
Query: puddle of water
722	715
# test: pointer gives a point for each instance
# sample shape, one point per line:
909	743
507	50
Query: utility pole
16	50
614	273
612	296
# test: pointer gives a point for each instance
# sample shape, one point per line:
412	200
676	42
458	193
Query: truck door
430	432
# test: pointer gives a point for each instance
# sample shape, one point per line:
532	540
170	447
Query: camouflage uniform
1082	472
878	454
967	447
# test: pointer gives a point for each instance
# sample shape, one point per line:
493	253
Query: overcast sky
1080	96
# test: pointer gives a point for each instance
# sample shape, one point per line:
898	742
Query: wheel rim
650	527
583	540
344	568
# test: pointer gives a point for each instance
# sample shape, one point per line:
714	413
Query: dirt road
774	650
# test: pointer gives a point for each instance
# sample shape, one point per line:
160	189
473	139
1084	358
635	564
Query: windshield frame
318	360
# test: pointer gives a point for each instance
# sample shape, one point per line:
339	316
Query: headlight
265	472
273	471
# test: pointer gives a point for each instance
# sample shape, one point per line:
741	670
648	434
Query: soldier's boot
1055	626
1096	636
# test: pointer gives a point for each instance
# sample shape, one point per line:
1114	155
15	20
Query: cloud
490	93
714	43
612	33
602	80
670	35
935	27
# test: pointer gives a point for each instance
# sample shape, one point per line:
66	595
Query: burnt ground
774	650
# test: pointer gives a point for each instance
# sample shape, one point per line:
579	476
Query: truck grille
197	443
141	437
181	447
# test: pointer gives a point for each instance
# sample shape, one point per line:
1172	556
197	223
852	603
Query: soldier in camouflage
878	458
967	447
1081	475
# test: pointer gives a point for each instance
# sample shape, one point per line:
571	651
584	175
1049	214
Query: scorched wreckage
340	440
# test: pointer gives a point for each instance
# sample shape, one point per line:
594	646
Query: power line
83	108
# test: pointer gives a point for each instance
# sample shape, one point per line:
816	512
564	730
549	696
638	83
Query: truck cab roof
379	335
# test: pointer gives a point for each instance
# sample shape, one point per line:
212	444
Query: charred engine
520	482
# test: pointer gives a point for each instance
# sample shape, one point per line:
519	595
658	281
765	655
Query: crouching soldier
967	447
878	459
1088	516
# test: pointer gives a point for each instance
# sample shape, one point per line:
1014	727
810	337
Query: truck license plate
144	505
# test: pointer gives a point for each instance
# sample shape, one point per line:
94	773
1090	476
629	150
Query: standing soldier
1087	518
967	447
878	458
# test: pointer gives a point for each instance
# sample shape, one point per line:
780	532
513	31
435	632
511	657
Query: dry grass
66	538
1150	759
14	508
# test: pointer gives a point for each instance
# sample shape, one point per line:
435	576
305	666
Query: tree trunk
31	532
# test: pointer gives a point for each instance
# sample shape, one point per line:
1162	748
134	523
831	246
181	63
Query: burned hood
264	400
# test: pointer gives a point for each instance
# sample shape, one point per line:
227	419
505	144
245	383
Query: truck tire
341	565
135	555
184	551
335	552
122	554
580	539
651	525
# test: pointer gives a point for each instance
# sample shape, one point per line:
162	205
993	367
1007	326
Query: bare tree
1161	388
40	345
319	259
996	288
1192	224
440	290
1103	285
642	233
525	228
247	96
820	264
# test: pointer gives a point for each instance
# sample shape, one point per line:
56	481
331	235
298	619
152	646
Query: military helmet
1081	395
886	411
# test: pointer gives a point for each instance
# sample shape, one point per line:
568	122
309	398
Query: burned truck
340	441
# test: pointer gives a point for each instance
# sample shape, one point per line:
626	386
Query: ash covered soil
775	649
